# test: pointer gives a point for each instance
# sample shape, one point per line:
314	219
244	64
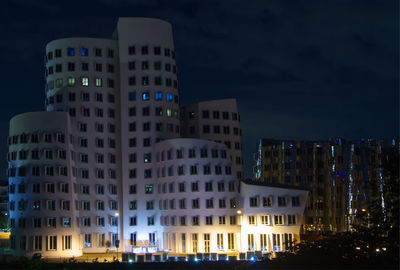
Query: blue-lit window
169	97
71	52
85	96
67	222
85	52
158	95
132	95
145	96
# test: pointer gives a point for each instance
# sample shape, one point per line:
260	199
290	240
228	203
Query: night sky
299	69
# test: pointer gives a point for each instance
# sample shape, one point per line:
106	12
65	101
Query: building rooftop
259	183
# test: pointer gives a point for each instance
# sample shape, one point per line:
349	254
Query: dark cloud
368	44
299	69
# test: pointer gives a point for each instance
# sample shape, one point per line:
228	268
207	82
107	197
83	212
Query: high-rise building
105	166
343	177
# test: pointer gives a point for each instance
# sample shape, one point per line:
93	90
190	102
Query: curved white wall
217	186
38	145
93	106
146	51
219	121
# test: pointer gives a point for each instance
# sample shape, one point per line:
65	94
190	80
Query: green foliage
3	222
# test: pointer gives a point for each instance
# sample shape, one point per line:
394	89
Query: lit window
149	189
132	205
251	220
169	112
250	241
99	82
265	220
145	96
67	222
85	96
220	241
59	83
70	51
147	157
84	52
71	81
169	97
278	220
132	96
85	81
88	240
267	201
231	241
158	95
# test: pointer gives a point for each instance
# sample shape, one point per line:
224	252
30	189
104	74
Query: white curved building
41	190
197	198
218	121
105	166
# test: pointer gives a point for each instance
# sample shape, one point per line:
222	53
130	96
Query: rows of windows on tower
98	52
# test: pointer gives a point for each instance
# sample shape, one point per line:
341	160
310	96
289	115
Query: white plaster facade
197	195
115	139
271	215
218	121
41	200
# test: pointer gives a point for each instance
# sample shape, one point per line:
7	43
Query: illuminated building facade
343	177
4	215
105	167
219	121
271	217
